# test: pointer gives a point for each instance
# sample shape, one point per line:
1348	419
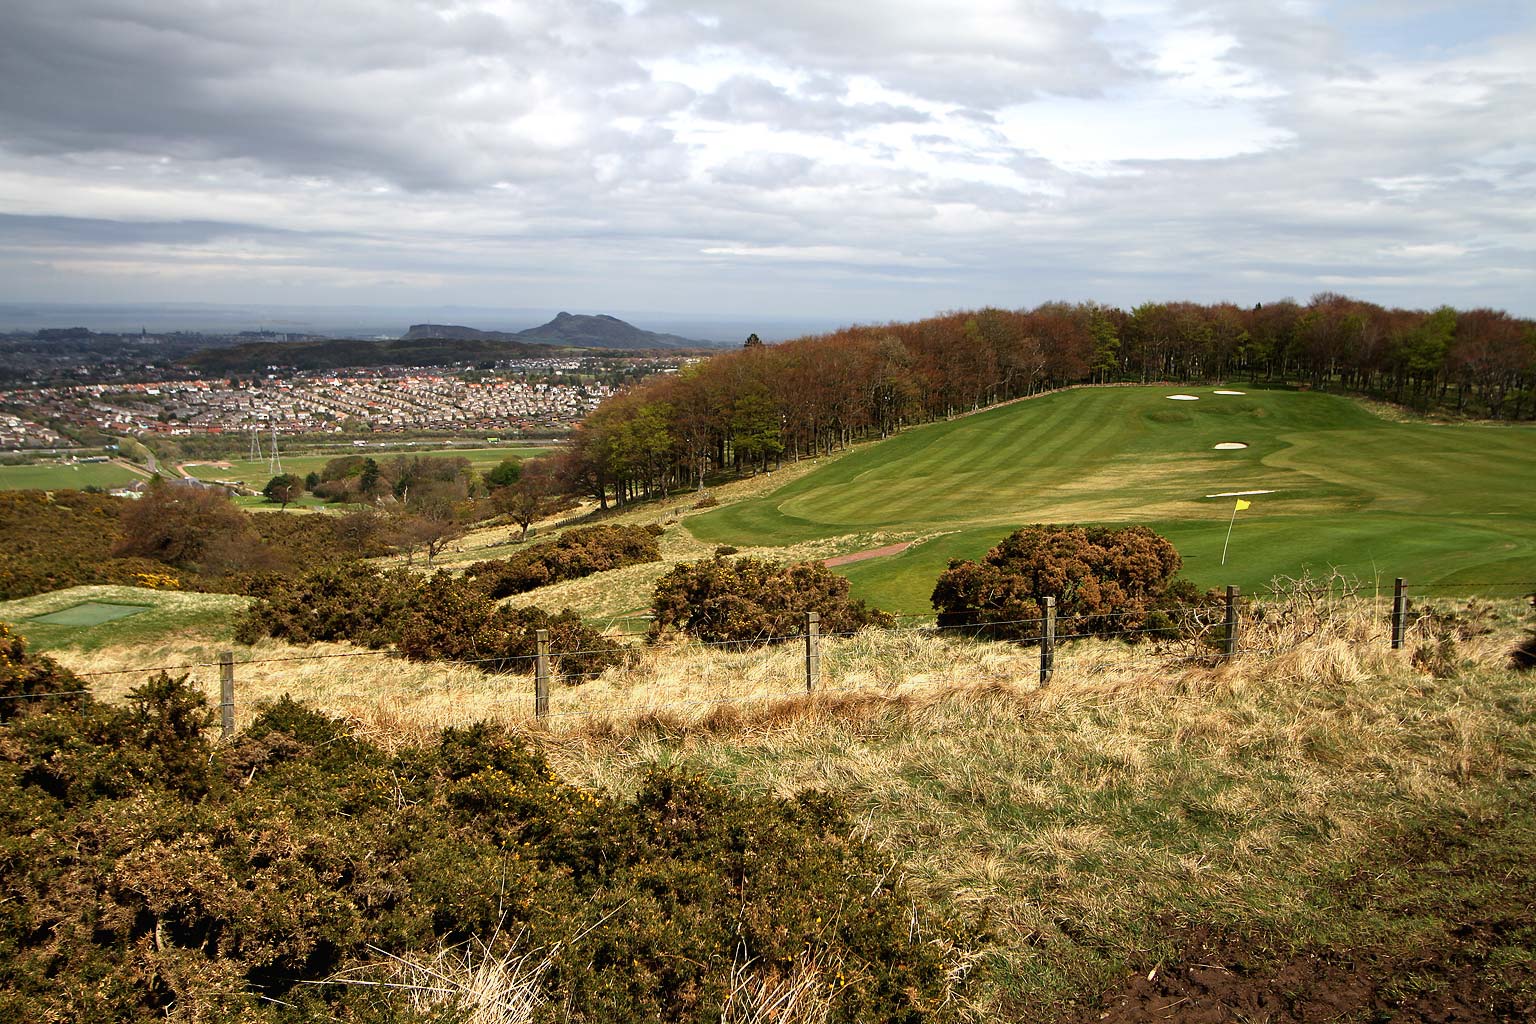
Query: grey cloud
17	229
399	128
750	100
764	170
651	99
959	53
350	90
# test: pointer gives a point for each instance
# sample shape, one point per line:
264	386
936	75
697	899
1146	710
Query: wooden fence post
1048	642
1399	612
812	650
1229	645
541	674
226	694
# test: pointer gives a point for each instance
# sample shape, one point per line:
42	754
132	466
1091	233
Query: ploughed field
1449	506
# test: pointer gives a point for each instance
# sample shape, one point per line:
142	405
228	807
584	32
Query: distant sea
377	321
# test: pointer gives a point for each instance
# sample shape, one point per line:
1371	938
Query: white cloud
872	160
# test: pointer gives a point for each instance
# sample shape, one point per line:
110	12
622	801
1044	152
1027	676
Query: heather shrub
572	555
751	600
1105	581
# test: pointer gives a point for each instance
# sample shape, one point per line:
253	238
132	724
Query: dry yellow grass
1076	824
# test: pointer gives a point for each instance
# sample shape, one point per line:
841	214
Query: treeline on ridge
745	410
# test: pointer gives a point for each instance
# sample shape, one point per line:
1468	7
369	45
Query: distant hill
337	353
567	330
453	332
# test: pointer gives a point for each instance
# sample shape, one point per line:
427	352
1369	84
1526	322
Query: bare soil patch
1476	883
1218	982
859	556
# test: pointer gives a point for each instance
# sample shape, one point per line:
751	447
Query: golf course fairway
1448	506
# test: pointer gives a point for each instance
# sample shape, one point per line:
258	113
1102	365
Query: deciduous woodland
746	410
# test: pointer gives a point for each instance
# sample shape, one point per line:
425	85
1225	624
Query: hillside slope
1344	487
565	330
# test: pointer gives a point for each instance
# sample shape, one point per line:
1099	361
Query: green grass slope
168	615
62	476
1443	505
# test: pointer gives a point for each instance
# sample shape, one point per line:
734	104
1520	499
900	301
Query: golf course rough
1376	498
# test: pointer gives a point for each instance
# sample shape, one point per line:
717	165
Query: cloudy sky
861	160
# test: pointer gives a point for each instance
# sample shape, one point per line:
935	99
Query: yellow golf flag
1241	504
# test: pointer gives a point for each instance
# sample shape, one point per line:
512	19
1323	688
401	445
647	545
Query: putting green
1440	505
90	613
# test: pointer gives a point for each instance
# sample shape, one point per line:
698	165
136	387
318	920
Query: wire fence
1209	635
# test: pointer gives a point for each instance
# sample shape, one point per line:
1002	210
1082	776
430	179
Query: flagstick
1229	536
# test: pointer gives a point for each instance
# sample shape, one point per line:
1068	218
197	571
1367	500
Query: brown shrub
754	601
1104	581
571	556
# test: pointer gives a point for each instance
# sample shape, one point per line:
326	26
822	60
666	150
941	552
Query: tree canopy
745	409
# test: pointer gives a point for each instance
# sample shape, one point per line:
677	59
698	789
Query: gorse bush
1105	581
432	618
451	619
64	539
354	602
573	555
171	539
751	600
151	874
29	682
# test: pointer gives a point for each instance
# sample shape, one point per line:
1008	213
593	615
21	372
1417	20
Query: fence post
1048	642
541	674
1399	612
226	694
812	650
1229	645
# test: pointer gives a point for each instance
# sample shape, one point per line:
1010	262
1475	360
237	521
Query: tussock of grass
471	983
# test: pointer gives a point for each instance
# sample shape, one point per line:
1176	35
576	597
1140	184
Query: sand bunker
1229	446
1236	494
1231	392
1184	398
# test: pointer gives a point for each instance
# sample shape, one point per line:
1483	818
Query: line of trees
745	411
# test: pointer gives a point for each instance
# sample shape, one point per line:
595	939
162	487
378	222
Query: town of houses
332	402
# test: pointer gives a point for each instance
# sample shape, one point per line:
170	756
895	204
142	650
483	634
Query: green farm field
256	473
1448	507
55	477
